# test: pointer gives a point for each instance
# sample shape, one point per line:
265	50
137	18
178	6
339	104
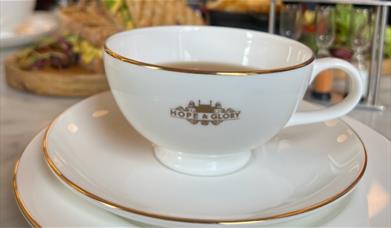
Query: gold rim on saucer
192	71
117	206
26	213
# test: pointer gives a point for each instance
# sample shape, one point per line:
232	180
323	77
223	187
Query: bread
89	24
163	12
95	22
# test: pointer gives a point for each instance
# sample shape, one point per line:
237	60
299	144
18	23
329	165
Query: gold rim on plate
26	213
117	206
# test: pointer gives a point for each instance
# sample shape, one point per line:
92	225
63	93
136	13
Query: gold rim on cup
208	72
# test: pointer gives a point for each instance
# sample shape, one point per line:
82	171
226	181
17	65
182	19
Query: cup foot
202	165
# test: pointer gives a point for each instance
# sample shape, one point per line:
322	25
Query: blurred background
67	36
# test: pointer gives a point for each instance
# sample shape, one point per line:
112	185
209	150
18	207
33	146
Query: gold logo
204	113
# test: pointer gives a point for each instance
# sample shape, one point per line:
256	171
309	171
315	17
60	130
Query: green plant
342	20
387	42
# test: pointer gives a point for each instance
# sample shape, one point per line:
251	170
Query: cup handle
337	110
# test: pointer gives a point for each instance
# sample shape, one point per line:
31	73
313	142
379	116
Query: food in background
255	6
342	53
58	52
119	12
89	23
70	62
309	20
163	12
86	25
309	28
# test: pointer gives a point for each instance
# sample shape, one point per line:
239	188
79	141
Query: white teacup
204	122
14	12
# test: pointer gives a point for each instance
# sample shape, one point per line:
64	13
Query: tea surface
209	66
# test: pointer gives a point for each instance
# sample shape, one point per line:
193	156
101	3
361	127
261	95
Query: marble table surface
22	115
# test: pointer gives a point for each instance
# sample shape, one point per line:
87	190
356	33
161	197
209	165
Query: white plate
40	24
46	203
369	206
38	192
94	151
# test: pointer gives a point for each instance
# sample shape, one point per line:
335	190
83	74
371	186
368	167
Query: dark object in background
389	19
321	96
45	4
239	20
342	53
322	86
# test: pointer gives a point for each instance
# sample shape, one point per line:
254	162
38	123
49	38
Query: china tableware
38	192
13	13
93	150
205	122
38	25
369	206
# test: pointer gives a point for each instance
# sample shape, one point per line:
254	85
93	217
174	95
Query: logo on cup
204	113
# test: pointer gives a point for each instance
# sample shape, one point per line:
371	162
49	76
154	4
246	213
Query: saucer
368	206
93	150
40	24
76	212
39	195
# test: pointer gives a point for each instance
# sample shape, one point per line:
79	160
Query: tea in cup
206	96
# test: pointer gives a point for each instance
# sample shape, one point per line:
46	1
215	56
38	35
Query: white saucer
369	206
40	24
33	180
94	151
45	202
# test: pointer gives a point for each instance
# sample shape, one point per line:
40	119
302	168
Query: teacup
14	12
205	122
